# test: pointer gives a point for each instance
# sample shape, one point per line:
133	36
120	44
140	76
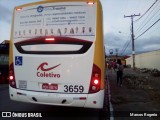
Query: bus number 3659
75	88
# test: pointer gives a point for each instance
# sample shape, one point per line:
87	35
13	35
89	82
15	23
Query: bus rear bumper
95	100
73	100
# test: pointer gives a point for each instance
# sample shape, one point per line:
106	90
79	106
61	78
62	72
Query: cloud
113	41
149	44
6	14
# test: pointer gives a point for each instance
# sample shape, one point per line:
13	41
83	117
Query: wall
146	60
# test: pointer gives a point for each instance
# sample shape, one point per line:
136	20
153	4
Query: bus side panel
99	45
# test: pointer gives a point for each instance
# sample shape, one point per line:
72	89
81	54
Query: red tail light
95	79
11	77
12	81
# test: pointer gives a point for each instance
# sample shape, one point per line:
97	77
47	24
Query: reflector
82	98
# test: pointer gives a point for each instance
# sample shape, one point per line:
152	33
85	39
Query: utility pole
116	53
133	49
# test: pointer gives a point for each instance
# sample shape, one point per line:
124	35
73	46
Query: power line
146	11
147	29
154	30
126	43
146	20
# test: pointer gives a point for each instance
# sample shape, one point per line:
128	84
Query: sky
117	29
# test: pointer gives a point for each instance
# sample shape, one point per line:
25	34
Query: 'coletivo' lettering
45	74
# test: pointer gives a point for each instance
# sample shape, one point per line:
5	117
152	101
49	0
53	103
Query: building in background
150	60
111	58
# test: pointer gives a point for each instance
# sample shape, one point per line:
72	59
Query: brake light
18	9
90	3
49	39
12	81
11	77
95	79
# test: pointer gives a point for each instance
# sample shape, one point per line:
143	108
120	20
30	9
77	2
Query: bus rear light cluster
12	81
95	79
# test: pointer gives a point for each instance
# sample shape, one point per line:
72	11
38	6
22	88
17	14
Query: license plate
48	86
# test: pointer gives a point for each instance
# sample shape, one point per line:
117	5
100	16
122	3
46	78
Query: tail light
12	81
95	79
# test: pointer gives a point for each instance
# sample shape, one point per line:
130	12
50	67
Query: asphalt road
50	112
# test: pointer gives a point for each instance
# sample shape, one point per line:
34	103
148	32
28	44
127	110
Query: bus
4	63
57	53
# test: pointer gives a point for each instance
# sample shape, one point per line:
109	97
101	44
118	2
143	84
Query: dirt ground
140	93
143	81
